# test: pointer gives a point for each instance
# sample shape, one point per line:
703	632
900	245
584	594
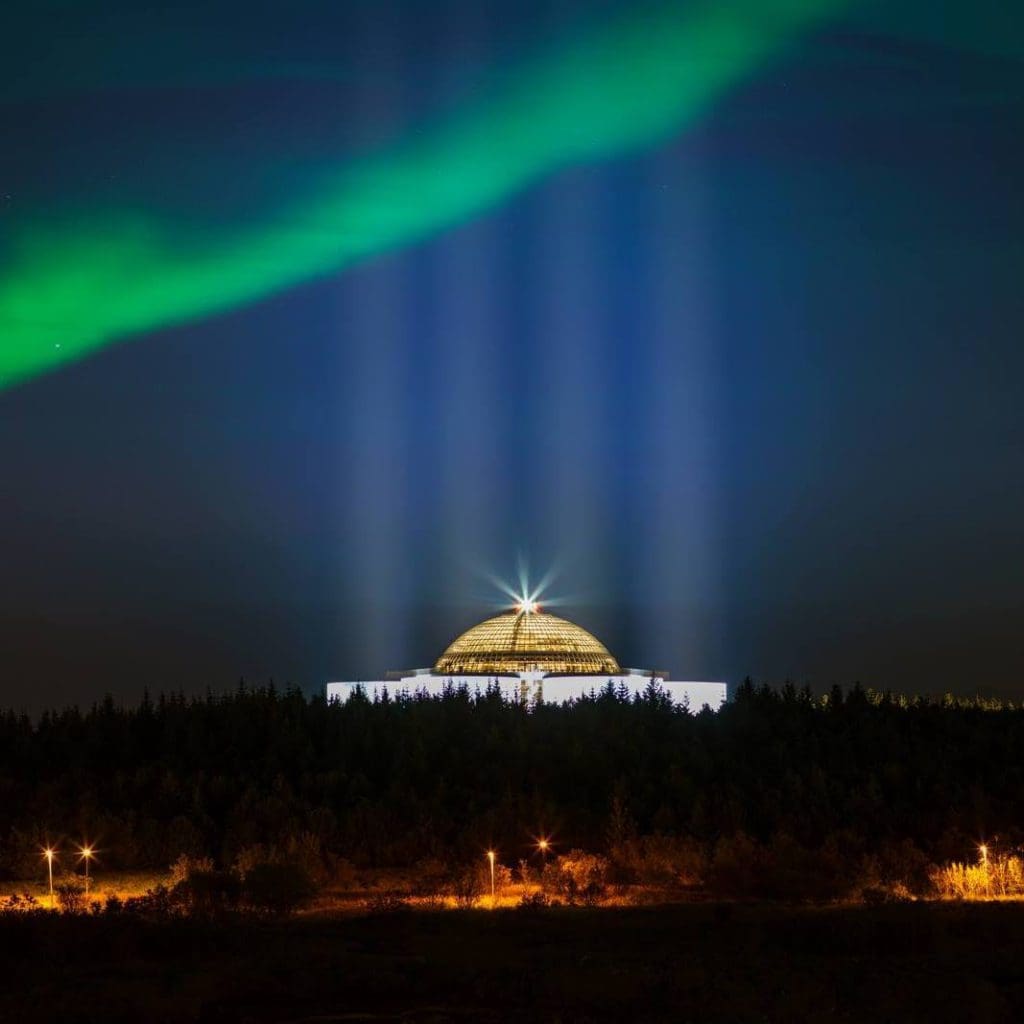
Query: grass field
103	884
926	962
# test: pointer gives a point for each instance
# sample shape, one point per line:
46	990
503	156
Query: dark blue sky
755	392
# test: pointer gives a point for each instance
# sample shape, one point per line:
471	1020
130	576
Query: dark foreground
909	962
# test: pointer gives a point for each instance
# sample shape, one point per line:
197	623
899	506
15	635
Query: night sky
743	375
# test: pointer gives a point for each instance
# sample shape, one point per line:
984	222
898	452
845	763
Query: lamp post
490	857
49	853
85	853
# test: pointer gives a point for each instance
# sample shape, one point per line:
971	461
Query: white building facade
531	656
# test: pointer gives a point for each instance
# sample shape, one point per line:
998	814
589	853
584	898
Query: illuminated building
531	655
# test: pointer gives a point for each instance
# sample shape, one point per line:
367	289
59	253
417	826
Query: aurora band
73	286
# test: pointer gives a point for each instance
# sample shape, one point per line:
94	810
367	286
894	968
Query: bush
994	877
529	874
249	857
429	878
465	887
899	863
159	903
341	872
186	865
18	902
70	893
782	869
305	851
577	877
209	892
659	860
534	901
468	885
390	902
277	889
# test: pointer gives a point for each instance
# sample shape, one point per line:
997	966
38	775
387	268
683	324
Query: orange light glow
490	857
49	853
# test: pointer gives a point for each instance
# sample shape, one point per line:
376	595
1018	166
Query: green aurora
76	285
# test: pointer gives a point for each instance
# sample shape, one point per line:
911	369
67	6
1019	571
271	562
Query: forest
782	792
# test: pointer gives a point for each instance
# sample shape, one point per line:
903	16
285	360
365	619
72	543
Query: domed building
530	655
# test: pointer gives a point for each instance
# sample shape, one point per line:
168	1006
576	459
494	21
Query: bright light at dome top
524	597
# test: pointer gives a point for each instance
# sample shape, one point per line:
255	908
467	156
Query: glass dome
526	641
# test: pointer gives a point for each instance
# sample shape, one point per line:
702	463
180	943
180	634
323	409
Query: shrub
874	895
249	857
390	902
995	877
465	887
906	864
342	872
534	901
70	893
737	867
429	878
18	902
305	851
187	865
471	883
159	903
577	877
782	869
209	892
529	874
277	889
659	860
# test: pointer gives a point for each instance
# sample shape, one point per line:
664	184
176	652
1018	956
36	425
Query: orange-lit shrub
187	865
992	878
389	902
70	893
659	860
577	877
465	887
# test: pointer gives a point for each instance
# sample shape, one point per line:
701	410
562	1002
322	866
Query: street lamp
49	853
490	857
86	853
543	845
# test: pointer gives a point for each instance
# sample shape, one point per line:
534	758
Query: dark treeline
397	782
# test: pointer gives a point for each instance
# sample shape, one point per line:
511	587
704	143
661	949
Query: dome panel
526	641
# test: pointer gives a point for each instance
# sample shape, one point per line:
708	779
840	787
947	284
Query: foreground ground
713	962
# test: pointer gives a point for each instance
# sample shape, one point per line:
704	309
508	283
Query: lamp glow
49	853
86	853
